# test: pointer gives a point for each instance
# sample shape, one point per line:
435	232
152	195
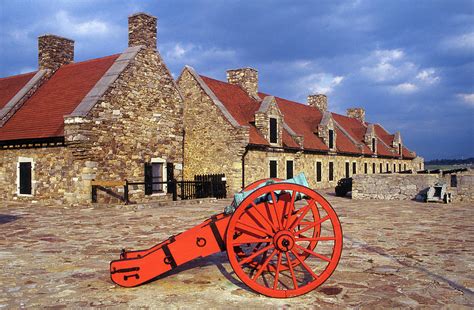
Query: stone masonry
408	186
319	101
137	117
212	144
247	78
54	51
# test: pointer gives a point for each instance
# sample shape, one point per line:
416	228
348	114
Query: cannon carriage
282	239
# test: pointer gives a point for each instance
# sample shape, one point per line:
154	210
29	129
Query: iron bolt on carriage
282	240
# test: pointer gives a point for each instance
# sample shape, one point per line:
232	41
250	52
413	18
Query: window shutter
148	179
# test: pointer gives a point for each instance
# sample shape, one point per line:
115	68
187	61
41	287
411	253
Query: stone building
233	128
109	118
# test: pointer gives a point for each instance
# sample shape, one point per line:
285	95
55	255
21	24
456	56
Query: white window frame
33	181
159	160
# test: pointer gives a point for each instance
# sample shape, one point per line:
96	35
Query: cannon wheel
267	246
315	230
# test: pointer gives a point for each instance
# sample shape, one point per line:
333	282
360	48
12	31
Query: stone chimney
319	101
54	51
357	113
247	78
142	30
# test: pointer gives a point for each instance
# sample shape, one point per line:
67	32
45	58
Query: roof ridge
90	60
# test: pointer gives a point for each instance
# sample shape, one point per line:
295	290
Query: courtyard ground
396	254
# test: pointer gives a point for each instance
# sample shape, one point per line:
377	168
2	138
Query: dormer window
331	139
273	130
374	141
399	148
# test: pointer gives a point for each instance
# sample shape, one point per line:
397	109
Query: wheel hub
284	240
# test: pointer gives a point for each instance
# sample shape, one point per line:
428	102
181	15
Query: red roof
302	119
41	116
9	86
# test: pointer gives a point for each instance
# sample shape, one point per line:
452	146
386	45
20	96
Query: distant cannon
282	240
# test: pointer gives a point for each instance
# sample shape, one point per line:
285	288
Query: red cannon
282	240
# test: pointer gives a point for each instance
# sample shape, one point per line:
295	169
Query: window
318	172
365	168
399	167
289	169
373	168
374	143
354	167
331	171
25	176
400	148
331	138
273	130
404	166
347	169
388	167
394	167
155	176
273	169
380	168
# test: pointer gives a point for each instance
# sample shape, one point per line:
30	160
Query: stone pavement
399	254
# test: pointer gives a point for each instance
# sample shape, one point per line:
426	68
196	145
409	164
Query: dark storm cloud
410	64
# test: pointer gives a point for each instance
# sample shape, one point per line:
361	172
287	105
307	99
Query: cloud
387	65
73	26
319	83
394	69
462	42
195	54
468	99
404	88
428	76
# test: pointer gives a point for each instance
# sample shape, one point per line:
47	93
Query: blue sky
410	64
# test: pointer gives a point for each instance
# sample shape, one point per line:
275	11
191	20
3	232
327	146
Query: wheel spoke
299	232
315	276
257	218
316	239
243	227
264	265
263	217
300	218
243	239
251	257
277	273
291	270
274	210
314	253
291	207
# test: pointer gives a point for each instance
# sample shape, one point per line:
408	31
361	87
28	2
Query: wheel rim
268	243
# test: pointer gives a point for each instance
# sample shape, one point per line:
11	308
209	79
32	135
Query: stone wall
257	165
407	186
50	177
138	119
391	186
465	188
212	144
